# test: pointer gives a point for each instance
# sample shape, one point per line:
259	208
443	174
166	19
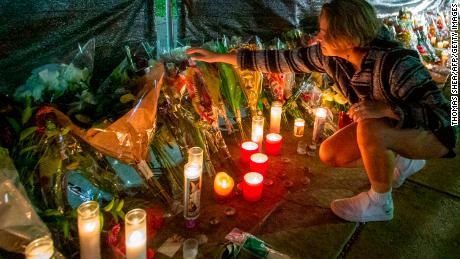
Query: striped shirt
388	73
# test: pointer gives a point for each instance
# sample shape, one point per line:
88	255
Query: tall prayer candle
252	186
89	230
258	130
320	120
195	155
192	192
275	117
259	163
273	143
136	234
299	125
40	248
223	184
247	149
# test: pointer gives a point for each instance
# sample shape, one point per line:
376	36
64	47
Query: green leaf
101	220
49	166
14	124
121	214
115	217
66	228
27	149
27	132
109	206
120	205
26	114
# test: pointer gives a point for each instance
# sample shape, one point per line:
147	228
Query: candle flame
249	145
137	238
90	227
259	158
274	137
321	112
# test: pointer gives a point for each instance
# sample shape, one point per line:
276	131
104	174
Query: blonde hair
350	21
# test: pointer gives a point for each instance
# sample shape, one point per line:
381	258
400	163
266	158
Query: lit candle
273	144
259	163
252	186
195	155
136	234
320	120
258	130
247	149
439	45
275	117
89	230
192	192
299	125
223	184
41	248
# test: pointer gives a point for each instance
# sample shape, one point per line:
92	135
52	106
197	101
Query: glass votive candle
247	149
299	125
195	156
257	133
318	126
273	143
190	248
275	117
40	248
259	163
136	234
89	231
223	185
252	186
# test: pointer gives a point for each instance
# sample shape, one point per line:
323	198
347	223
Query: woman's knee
328	153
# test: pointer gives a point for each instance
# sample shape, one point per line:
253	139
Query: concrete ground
297	220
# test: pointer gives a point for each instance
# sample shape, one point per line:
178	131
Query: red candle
247	149
273	144
259	163
252	186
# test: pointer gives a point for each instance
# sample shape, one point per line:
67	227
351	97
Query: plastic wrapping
19	224
210	19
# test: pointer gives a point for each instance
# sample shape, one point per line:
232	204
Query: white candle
195	155
299	125
257	135
320	120
192	191
41	248
275	117
89	230
136	234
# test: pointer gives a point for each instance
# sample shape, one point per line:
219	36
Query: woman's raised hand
201	54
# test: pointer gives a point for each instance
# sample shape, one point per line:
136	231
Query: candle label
298	131
318	130
192	194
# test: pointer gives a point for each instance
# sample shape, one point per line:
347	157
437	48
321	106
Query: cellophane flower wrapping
65	86
19	223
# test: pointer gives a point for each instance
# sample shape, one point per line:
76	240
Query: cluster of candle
89	232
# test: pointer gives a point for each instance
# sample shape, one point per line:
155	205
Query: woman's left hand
369	110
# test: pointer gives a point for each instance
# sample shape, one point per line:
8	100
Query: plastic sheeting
35	32
210	19
19	224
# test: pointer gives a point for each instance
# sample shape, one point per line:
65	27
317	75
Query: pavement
294	216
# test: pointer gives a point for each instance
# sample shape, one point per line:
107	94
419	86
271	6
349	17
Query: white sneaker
404	168
361	208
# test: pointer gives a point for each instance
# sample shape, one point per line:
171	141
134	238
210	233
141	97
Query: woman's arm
200	54
301	60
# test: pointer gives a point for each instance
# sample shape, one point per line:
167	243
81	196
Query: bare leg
341	149
377	140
